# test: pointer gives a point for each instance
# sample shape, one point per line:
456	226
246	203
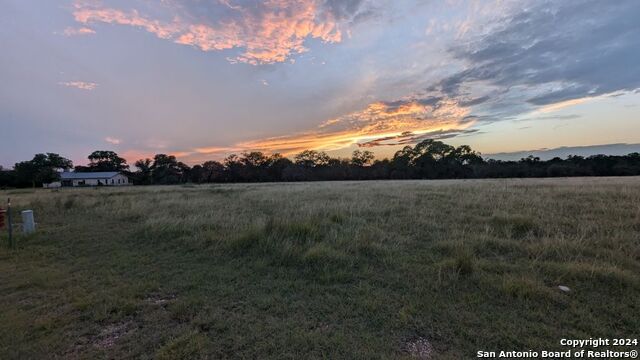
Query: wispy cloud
410	138
266	32
73	31
215	150
82	85
112	140
86	15
564	104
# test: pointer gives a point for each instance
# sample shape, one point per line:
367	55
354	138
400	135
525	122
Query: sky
201	79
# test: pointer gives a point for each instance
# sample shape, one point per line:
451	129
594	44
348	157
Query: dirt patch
160	300
322	327
110	334
419	348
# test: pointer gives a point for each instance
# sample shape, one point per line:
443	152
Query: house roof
87	175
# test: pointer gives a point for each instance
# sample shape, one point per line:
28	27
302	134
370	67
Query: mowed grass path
321	270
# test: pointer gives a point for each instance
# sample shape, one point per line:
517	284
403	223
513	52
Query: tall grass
321	270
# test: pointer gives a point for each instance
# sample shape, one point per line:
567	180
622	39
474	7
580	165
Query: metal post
10	223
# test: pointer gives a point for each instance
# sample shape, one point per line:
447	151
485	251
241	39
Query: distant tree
43	168
143	175
297	172
277	166
530	160
7	178
254	159
167	170
466	156
362	158
212	171
428	159
432	150
185	172
559	169
402	163
435	159
233	167
254	166
57	162
103	160
312	158
196	174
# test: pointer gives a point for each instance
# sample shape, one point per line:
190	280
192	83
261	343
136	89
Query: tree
431	150
167	170
212	171
277	166
7	178
43	168
143	176
531	160
427	159
402	163
102	160
254	159
434	159
362	158
312	158
185	172
233	166
466	156
254	166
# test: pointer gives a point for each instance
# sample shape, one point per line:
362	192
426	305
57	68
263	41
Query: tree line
428	159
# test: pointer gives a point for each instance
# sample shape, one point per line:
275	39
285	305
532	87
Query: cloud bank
550	53
542	57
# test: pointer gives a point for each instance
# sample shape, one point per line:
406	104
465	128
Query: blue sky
204	78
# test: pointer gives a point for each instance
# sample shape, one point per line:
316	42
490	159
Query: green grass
321	270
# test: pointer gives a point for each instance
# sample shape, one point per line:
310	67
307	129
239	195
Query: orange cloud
134	155
380	123
113	16
273	34
413	118
216	150
563	104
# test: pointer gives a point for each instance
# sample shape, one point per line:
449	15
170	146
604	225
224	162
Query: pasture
385	269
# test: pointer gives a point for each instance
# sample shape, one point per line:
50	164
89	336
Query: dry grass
322	270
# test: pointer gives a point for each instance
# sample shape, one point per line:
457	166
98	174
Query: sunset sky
201	79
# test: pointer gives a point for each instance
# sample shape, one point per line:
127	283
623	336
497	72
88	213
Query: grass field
393	269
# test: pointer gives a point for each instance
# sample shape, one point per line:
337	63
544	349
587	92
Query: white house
110	178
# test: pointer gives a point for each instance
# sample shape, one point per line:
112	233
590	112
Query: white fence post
28	224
